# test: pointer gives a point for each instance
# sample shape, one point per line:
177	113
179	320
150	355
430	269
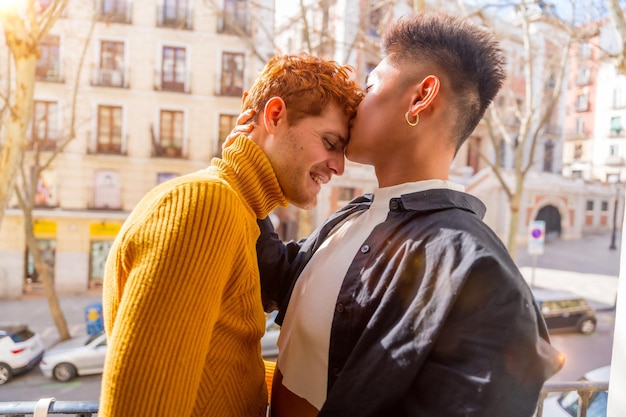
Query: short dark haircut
467	54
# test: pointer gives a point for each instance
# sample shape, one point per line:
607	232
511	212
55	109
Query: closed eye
328	143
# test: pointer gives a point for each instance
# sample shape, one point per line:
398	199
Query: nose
337	163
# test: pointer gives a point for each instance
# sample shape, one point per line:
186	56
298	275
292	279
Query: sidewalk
35	312
586	267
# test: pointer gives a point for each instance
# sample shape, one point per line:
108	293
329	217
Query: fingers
241	128
245	117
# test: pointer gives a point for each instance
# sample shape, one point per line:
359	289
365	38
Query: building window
45	125
110	71
48	64
231	83
577	173
619	98
582	102
174	69
616	126
580	126
375	19
548	156
47	247
109	139
589	205
614	150
584	50
171	127
604	205
234	19
98	256
45	194
107	192
227	123
583	75
165	176
578	151
114	11
346	193
175	14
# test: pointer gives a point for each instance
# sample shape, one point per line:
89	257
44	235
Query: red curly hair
307	84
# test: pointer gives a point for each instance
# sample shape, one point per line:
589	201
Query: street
585	266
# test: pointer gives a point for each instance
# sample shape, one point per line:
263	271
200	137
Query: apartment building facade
159	89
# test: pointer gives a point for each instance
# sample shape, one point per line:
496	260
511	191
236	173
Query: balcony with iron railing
106	77
48	406
115	11
175	17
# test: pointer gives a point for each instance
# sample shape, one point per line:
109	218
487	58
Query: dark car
563	310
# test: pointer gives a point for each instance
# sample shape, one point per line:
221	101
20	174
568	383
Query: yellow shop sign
104	229
45	227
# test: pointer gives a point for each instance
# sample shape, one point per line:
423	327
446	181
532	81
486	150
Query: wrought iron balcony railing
48	406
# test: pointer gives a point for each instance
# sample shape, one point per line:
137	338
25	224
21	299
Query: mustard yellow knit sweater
182	302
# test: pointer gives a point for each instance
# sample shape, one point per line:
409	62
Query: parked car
566	404
563	310
85	355
272	330
20	350
77	356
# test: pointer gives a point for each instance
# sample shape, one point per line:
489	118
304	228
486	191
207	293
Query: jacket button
336	371
365	248
394	205
339	308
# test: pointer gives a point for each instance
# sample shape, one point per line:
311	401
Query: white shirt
304	338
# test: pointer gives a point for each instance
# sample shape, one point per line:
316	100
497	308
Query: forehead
385	68
331	120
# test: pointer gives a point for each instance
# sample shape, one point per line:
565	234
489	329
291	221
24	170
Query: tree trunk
514	203
45	273
16	125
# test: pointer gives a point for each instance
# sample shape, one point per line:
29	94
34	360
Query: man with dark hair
404	303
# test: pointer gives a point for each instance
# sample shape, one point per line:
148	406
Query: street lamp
614	232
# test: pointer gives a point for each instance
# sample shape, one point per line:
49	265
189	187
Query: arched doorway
552	217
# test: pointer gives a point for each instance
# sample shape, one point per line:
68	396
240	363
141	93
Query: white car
85	355
78	356
566	404
272	330
20	350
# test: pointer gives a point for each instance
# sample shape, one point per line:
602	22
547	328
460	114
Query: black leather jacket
433	317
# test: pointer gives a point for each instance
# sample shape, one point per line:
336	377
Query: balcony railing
115	11
585	390
174	17
110	77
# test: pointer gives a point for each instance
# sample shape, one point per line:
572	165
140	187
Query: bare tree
23	35
24	27
619	21
519	120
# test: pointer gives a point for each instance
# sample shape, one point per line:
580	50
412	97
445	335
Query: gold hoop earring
417	119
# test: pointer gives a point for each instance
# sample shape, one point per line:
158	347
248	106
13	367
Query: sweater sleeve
172	266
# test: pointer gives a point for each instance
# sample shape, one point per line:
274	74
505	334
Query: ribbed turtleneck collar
246	167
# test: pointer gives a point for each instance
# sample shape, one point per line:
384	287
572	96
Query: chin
305	205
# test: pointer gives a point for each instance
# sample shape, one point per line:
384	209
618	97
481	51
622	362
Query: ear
275	111
426	92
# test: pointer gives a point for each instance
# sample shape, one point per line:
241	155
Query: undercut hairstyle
469	57
307	84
